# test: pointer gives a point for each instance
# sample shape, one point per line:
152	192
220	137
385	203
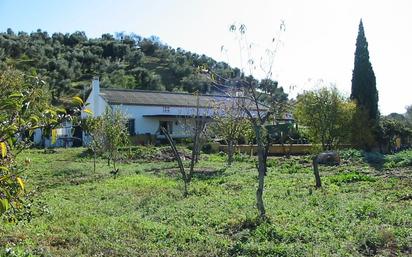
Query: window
130	127
168	125
166	108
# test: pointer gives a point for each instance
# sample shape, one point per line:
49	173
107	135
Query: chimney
96	86
95	95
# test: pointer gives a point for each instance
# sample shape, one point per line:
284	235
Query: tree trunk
195	151
185	185
261	181
94	161
230	152
179	161
191	167
261	172
316	173
199	141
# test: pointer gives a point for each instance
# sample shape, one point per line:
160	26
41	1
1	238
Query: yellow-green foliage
23	106
327	116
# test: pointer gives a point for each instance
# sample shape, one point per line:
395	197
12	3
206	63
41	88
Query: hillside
67	62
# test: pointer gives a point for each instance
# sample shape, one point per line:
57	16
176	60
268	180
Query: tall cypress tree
364	90
365	94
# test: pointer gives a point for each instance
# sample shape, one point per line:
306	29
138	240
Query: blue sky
317	47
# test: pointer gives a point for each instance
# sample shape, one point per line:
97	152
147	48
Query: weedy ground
363	209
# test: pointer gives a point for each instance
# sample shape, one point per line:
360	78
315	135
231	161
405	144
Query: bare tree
259	117
178	159
229	123
255	94
196	126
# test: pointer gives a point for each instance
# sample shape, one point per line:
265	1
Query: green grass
73	211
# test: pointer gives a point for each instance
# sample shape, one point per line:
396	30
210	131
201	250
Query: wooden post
316	172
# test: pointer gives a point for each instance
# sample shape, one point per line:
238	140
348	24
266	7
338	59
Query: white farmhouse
147	111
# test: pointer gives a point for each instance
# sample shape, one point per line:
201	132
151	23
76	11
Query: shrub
401	159
350	178
350	154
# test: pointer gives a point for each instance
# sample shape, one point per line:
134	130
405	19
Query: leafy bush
258	249
350	178
398	160
350	154
401	159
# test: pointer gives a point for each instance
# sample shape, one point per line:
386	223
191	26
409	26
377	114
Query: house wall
181	118
37	136
63	133
181	125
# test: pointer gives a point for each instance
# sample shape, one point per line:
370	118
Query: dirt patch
82	180
57	242
152	154
14	239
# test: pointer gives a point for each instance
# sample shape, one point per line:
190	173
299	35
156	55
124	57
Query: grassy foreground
74	211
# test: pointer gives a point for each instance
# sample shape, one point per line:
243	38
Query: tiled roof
142	97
